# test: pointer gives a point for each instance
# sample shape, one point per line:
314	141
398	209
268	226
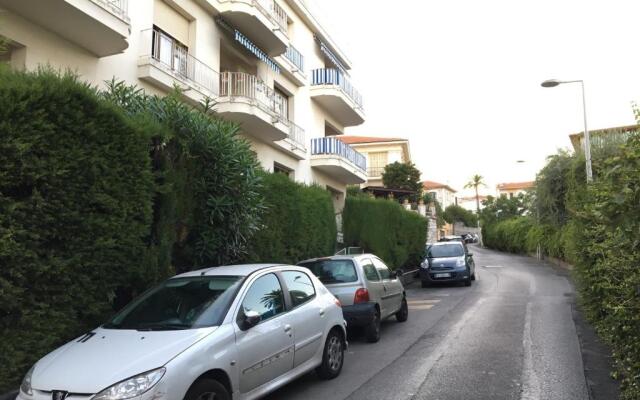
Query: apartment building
601	137
378	152
269	65
512	189
444	193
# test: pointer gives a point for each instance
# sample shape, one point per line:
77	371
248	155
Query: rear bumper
455	275
359	314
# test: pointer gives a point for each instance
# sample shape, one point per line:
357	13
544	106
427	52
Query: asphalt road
509	336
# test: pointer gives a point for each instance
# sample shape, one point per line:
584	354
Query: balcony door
169	51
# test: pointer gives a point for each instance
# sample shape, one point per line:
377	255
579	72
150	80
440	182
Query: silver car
234	332
368	290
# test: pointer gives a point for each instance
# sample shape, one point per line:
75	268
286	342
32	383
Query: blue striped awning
334	59
255	50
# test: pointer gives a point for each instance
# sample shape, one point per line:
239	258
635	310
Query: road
509	336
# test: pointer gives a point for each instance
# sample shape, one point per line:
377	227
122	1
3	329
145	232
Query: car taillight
362	296
337	302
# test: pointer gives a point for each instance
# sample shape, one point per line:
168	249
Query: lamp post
587	141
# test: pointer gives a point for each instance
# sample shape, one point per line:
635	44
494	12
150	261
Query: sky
461	78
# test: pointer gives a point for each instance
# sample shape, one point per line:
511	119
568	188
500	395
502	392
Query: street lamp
587	141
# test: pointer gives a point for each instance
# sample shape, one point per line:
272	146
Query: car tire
372	331
332	356
204	388
424	284
473	277
467	282
403	313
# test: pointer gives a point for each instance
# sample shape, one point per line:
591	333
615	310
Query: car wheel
403	314
207	389
372	331
332	356
424	284
467	282
473	277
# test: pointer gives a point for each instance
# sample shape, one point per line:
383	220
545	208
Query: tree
455	213
403	176
476	180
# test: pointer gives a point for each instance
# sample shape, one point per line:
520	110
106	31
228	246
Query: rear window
333	271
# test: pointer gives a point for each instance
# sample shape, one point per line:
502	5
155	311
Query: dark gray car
447	262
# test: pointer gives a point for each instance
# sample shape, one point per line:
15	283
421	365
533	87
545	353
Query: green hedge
76	194
298	223
386	229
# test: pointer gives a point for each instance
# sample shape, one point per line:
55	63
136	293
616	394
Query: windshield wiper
162	327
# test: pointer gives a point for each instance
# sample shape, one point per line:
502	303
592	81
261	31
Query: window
333	271
169	51
264	297
300	287
383	270
281	169
377	162
370	271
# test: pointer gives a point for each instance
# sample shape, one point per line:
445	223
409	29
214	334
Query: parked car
219	333
452	238
447	262
368	290
468	238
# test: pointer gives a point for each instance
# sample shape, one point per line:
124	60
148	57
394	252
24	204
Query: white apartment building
445	195
269	65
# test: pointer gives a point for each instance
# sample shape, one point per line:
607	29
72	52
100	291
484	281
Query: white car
233	332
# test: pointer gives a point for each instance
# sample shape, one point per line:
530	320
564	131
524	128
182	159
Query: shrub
76	195
386	229
298	222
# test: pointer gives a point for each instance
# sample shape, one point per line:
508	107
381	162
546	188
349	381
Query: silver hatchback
368	290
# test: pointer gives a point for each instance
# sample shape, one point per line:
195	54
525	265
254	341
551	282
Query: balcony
332	156
99	26
247	100
165	63
292	65
333	91
263	21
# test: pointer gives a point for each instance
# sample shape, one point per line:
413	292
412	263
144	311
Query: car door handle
287	328
322	312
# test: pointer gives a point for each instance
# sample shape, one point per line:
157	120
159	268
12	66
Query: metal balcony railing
334	146
174	56
240	84
116	7
293	55
331	76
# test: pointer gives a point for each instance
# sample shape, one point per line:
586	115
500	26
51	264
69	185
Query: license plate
442	275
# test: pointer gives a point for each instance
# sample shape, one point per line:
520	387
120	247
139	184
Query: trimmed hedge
298	222
386	229
76	194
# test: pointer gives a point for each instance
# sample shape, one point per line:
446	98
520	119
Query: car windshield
333	271
445	250
180	303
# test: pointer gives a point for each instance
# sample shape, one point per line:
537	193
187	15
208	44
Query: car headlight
424	264
460	262
26	382
132	387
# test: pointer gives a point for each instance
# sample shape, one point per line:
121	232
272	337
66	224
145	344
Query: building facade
445	195
513	189
268	65
602	137
379	152
469	202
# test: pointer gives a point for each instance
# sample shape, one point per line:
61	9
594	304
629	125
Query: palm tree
476	180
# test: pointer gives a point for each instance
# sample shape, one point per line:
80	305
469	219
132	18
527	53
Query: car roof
228	270
447	243
340	257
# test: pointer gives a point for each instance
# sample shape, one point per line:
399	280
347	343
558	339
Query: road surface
509	336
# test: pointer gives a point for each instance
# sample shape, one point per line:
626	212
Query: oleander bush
298	222
385	228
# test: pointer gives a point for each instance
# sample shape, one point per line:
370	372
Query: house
269	65
600	137
469	203
379	152
512	189
445	195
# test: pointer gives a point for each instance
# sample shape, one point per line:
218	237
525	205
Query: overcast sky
461	78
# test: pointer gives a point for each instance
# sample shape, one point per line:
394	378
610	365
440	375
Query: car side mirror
251	319
394	274
470	254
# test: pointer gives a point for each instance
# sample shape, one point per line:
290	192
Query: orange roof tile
436	185
515	185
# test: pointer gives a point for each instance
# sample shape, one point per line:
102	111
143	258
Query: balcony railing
331	145
330	76
175	57
375	171
293	55
240	84
116	7
270	9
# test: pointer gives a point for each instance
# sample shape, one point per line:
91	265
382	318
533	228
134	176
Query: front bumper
459	274
359	314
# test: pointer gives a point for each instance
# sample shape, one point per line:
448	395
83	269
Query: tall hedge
298	222
76	194
386	229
